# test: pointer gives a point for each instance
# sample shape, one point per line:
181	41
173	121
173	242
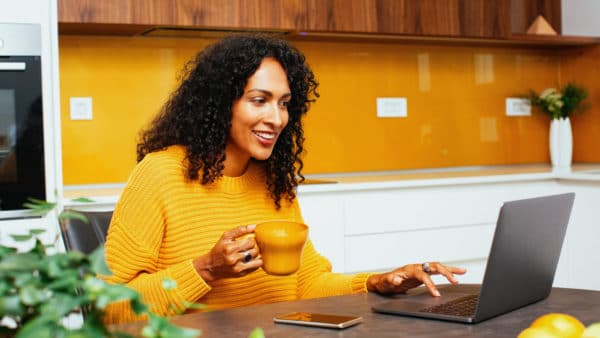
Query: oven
22	173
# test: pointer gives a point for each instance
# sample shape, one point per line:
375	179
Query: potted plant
39	290
560	105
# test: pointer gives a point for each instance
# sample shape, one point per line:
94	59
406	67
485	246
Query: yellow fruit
538	332
563	325
592	331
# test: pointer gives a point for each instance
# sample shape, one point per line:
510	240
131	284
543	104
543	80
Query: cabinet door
358	16
254	14
468	18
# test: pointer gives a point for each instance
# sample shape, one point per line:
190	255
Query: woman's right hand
226	258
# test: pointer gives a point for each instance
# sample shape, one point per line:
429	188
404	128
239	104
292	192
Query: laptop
520	268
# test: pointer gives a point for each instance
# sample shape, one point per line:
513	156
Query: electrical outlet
518	107
81	108
391	107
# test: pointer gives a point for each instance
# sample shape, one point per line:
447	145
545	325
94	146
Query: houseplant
38	290
560	105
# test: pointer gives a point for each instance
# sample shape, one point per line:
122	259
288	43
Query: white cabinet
383	228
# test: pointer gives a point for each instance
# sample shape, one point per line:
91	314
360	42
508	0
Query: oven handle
12	66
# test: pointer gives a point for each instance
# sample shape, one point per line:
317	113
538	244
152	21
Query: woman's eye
258	100
284	104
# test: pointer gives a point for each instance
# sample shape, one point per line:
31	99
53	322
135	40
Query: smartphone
318	319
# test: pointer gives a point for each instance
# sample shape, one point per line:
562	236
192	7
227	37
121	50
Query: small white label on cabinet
391	107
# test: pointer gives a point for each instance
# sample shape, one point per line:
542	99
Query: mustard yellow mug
280	244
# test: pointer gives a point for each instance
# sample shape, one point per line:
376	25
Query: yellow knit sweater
162	222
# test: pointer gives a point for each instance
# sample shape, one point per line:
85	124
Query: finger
248	255
437	266
456	270
239	231
424	277
442	270
242	268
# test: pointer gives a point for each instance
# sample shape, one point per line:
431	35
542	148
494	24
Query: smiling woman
224	155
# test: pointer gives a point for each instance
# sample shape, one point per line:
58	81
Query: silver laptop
520	268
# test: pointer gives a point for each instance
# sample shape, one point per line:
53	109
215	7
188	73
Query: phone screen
318	319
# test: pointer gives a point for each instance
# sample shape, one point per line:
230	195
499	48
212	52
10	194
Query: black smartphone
318	319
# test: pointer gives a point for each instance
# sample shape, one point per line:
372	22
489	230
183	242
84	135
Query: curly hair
198	113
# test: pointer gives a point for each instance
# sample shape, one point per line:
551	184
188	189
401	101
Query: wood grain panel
255	14
342	15
485	18
470	18
524	12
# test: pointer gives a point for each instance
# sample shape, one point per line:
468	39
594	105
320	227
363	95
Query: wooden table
239	322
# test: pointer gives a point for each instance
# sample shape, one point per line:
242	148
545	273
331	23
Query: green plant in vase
560	105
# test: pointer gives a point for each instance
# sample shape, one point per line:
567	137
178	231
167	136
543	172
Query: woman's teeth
266	136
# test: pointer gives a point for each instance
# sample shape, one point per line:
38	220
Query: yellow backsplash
455	97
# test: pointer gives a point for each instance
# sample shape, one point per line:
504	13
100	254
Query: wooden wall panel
485	18
342	15
274	14
471	18
523	12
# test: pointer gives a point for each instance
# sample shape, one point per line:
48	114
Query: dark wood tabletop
239	322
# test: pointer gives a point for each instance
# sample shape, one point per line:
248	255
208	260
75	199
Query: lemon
592	331
538	332
563	325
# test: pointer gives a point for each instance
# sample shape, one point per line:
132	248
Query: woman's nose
274	116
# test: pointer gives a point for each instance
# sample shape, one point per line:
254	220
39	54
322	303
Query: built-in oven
22	173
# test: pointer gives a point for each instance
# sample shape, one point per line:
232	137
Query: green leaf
19	262
4	250
40	327
36	231
31	295
138	306
169	284
64	283
82	200
21	238
71	214
60	305
195	306
257	333
98	263
11	305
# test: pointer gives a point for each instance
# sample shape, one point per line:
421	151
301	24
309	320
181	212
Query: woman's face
258	116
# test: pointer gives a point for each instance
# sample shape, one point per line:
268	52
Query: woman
225	154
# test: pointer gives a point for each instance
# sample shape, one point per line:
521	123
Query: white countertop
108	194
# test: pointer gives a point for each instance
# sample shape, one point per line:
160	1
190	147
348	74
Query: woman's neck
234	166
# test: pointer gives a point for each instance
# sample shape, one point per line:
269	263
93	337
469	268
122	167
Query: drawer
387	251
372	212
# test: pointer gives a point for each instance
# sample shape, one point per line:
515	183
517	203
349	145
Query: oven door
21	132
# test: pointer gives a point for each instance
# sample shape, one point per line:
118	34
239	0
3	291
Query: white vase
561	144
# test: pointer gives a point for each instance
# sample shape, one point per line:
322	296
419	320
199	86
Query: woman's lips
265	138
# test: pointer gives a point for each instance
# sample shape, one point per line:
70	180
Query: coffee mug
280	244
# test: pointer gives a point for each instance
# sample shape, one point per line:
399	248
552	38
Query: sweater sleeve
132	246
315	278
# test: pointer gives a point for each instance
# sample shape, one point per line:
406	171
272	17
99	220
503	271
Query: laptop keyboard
462	307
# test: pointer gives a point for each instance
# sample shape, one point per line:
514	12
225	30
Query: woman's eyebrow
267	93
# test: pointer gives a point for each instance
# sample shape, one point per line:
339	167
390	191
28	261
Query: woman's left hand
411	276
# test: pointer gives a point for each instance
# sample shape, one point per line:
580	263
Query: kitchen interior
421	173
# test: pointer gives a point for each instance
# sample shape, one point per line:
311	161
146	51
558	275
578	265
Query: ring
247	257
426	267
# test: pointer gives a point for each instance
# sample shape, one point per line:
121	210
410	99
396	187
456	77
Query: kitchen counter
107	194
